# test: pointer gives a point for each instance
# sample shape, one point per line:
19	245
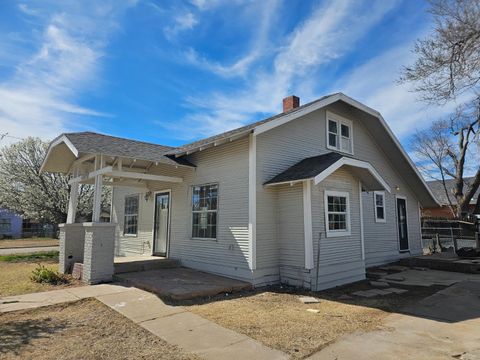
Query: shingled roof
239	131
436	186
93	143
306	169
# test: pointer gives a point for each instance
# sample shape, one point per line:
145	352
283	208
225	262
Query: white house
325	185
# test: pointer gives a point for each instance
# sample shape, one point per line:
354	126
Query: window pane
131	215
345	131
380	213
332	126
204	205
379	199
346	145
332	140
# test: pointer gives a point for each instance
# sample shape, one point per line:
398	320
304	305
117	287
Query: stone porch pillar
98	252
72	238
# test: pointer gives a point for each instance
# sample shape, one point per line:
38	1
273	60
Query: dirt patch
85	329
15	278
276	317
25	243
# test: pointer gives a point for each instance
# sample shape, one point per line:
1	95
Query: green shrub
45	275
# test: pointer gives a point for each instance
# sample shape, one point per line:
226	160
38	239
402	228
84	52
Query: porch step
145	265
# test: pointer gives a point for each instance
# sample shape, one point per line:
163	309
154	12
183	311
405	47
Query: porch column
97	198
98	252
72	238
72	203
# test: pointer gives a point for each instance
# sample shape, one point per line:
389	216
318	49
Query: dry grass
15	278
24	243
279	320
82	330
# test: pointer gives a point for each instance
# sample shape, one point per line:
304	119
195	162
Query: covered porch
99	161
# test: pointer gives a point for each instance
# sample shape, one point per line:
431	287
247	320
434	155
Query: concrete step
145	265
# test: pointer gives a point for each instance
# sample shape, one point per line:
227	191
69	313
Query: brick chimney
290	103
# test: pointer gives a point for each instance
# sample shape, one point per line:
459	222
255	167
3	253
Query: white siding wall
340	257
284	146
226	165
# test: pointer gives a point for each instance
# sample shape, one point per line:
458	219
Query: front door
161	225
402	223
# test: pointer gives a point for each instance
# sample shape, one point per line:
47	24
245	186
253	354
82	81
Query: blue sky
171	72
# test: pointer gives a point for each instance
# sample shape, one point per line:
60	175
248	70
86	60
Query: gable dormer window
339	133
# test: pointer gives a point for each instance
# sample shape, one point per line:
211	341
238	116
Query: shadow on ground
15	335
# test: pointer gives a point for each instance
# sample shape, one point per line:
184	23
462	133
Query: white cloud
266	11
40	97
327	34
375	84
182	22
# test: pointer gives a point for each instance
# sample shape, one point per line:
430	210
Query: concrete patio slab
182	283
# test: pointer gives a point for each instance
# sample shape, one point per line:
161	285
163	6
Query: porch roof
317	168
68	147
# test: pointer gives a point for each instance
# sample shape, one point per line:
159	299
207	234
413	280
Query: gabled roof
84	143
317	168
436	186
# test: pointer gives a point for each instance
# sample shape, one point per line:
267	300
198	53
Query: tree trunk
477	206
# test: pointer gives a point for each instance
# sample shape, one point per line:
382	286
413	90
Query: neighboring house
327	180
444	210
10	224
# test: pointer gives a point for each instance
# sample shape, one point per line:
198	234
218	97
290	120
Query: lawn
278	319
30	242
15	272
85	329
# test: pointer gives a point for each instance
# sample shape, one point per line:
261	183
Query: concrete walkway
445	325
11	251
173	324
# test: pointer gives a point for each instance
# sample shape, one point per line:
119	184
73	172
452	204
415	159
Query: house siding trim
252	200
307	223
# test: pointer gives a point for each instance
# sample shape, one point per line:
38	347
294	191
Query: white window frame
377	219
337	233
208	211
339	120
124	214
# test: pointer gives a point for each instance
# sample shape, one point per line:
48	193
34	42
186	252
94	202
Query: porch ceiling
317	168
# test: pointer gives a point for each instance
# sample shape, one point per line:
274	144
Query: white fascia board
355	163
62	139
135	175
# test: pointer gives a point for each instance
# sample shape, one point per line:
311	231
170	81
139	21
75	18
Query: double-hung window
379	204
339	133
5	226
130	225
337	213
204	211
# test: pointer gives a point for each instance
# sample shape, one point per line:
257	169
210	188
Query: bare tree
448	149
40	196
448	65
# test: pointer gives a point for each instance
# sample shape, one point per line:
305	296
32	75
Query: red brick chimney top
290	103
